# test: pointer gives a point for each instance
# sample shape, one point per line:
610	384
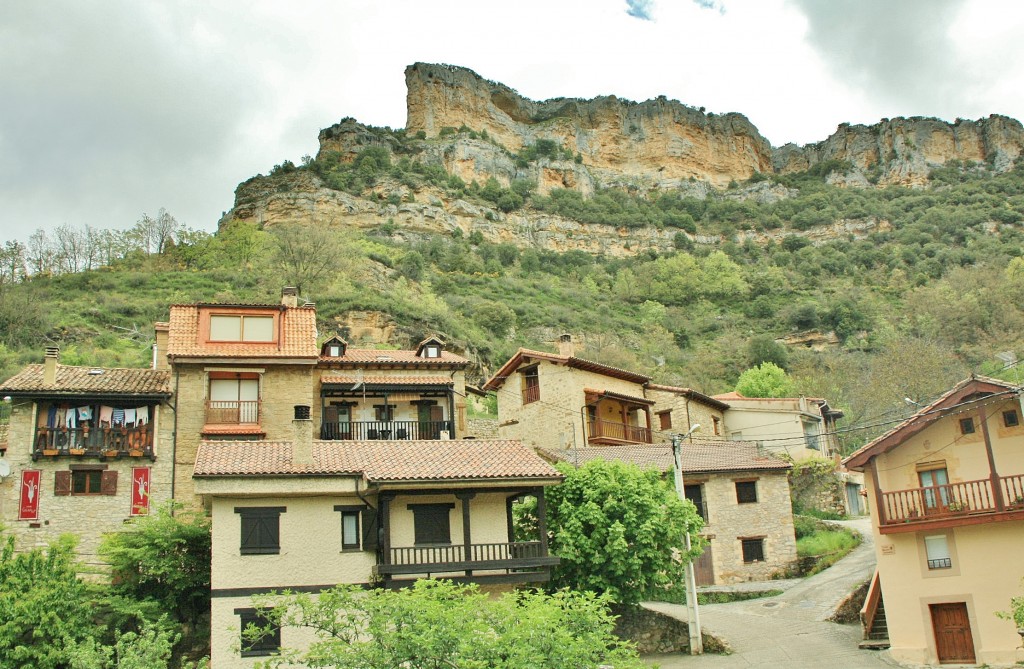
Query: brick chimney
302	429
50	365
290	296
565	345
163	333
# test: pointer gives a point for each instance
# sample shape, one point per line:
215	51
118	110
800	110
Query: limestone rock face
904	150
658	142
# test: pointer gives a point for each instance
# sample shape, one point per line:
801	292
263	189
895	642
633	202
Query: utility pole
696	640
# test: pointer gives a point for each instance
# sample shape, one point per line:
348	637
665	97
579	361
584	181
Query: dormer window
430	348
431	351
334	348
239	327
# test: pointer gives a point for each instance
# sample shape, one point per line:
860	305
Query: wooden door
953	641
704	568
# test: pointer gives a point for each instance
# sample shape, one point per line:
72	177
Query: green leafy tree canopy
765	380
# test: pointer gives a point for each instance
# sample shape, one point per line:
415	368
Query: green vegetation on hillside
929	291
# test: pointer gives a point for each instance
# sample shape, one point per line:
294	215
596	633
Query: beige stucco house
305	515
801	427
559	400
87	449
947	491
741	493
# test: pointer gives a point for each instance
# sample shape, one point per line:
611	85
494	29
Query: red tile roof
378	461
701	457
97	381
692	394
389	380
371	356
524	354
298	334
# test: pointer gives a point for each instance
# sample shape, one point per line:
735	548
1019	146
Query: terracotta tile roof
389	380
692	394
617	396
71	380
233	429
298	335
701	457
369	356
523	354
378	461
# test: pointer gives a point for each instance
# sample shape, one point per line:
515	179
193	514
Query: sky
113	109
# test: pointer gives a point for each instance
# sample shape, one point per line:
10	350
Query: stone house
947	493
558	401
741	493
87	449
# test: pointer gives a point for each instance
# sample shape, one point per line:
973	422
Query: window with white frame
937	550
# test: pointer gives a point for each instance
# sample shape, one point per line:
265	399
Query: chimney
50	365
290	296
302	444
163	333
565	345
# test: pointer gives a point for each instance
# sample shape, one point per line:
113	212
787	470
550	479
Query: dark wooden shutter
62	483
108	483
260	529
370	529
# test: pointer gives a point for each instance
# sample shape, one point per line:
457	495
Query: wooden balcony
436	559
603	431
95	442
531	394
370	430
962	503
232	412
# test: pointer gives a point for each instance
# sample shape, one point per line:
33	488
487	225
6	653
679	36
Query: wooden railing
94	441
232	412
952	499
396	429
604	429
870	608
453	557
531	394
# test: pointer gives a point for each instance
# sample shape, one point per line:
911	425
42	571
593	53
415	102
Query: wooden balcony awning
593	396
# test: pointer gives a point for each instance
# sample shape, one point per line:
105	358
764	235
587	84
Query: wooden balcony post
877	486
542	520
384	513
993	476
467	538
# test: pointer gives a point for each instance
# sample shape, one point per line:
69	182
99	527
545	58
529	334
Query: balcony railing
604	429
365	430
951	500
454	557
531	394
110	441
232	412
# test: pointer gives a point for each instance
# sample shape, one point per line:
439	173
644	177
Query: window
716	424
350	534
753	550
937	549
934	480
261	534
334	350
384	412
966	426
432	523
85	480
1010	418
431	351
242	328
268	643
234	401
531	385
811	435
665	418
695	493
746	492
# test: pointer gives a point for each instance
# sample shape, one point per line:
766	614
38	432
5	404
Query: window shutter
370	530
62	483
108	483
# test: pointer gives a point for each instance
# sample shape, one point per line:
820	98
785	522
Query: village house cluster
320	463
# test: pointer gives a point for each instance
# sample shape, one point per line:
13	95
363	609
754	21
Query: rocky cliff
478	129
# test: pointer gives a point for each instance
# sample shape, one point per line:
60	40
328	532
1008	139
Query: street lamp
696	642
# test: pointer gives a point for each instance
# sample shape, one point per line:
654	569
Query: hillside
881	263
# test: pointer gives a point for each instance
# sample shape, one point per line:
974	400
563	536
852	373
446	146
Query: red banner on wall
29	509
140	491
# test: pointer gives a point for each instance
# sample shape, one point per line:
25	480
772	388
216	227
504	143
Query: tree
308	254
42	606
163	558
436	624
619	531
765	380
764	348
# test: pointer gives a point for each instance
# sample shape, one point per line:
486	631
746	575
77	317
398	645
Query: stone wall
655	632
482	428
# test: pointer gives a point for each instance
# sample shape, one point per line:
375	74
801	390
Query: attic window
238	327
431	351
334	350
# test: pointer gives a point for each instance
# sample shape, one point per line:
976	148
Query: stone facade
729	523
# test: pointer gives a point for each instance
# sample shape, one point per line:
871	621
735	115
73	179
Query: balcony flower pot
50	451
111	453
77	451
136	453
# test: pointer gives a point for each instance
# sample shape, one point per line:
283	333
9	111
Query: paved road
789	630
